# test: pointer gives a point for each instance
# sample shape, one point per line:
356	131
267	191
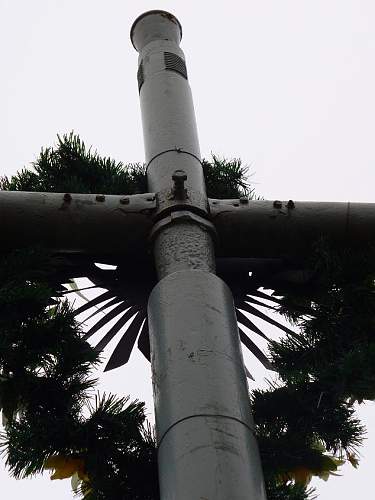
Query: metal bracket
182	216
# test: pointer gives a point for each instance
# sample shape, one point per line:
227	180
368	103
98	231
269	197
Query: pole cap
155	25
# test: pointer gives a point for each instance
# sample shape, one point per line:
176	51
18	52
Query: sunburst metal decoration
127	287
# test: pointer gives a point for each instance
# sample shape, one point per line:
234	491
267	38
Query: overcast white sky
287	85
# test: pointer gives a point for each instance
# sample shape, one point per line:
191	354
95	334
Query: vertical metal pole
204	426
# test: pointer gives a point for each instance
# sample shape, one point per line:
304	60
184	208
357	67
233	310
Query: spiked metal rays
128	286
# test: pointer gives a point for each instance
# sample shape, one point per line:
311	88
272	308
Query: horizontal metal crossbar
120	225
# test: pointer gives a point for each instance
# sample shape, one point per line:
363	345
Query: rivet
125	201
244	200
277	204
290	204
67	197
100	197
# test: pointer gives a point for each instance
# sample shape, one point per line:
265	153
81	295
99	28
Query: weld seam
174	150
203	415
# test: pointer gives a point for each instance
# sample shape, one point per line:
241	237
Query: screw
277	204
100	197
179	191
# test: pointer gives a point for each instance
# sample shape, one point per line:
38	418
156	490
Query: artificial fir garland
45	365
45	390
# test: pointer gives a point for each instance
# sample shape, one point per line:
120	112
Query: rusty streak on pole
204	426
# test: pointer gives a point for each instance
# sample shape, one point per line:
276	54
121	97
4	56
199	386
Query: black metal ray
94	302
128	286
251	299
248	374
115	328
144	341
66	292
252	310
134	280
297	308
122	352
262	295
108	304
249	324
108	317
255	350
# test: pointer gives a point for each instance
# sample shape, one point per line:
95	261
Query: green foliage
45	389
71	167
318	417
226	178
290	491
121	461
336	345
324	369
115	451
40	344
296	427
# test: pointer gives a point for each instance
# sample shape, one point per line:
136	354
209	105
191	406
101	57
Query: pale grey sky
287	85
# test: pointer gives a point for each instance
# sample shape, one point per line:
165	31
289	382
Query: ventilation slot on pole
174	63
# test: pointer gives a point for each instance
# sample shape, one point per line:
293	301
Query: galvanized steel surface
203	416
94	224
199	369
203	419
272	229
185	245
210	458
168	118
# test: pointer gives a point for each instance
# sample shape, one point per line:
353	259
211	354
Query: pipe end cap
155	25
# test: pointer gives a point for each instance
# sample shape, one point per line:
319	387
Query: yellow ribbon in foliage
353	459
66	466
304	474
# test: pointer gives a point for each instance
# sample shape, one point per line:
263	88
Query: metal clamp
182	216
